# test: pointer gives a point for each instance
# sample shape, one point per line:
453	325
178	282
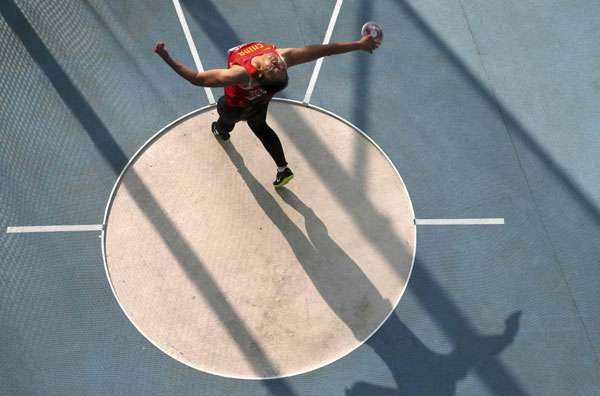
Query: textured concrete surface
229	275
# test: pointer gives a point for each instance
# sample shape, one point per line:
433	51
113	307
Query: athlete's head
272	73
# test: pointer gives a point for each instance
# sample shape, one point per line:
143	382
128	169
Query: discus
374	30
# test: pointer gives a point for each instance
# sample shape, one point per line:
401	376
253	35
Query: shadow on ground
418	371
338	279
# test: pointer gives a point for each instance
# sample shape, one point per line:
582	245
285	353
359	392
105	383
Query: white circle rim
201	110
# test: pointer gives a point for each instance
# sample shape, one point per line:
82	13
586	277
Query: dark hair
273	86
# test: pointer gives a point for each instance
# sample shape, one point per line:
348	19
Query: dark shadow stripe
70	95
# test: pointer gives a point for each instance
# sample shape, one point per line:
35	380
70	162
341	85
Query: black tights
256	116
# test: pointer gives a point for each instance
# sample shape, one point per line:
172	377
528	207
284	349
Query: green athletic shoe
283	177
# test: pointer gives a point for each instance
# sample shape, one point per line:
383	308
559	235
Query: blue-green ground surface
487	109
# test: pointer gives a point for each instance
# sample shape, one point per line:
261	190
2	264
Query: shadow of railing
112	153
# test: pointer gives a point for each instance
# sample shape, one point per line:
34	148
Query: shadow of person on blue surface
338	279
419	371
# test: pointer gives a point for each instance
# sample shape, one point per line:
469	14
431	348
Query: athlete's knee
260	127
257	123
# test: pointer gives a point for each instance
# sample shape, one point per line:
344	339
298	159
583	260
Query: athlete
255	72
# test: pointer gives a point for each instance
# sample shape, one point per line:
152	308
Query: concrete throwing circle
231	276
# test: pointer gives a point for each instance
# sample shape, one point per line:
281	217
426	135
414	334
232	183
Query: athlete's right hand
159	48
368	44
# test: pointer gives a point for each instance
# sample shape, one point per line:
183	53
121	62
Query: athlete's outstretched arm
309	53
210	78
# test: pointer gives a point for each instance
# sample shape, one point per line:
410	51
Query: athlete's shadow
416	369
419	371
338	279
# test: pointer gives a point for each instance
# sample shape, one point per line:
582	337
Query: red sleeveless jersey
242	55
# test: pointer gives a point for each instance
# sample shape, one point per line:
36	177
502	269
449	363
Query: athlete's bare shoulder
239	74
238	70
285	53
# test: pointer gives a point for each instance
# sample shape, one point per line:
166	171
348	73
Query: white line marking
54	228
190	40
458	221
317	69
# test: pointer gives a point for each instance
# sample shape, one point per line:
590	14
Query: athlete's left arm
309	53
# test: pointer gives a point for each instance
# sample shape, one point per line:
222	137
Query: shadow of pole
511	124
113	154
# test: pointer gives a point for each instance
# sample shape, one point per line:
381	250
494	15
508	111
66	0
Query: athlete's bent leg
228	116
